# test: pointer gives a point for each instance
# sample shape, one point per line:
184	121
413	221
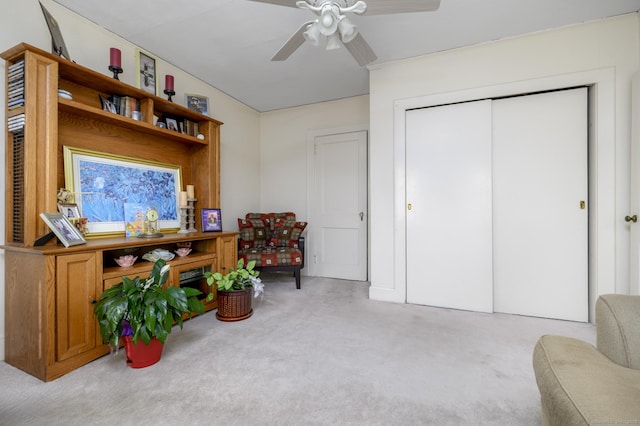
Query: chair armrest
617	331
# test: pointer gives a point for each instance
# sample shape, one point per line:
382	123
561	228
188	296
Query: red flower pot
141	355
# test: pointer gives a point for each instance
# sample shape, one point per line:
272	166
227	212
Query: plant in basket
144	311
235	291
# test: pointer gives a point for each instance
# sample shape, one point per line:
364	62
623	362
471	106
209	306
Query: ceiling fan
333	24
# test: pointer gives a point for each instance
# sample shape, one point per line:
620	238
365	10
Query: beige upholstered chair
582	385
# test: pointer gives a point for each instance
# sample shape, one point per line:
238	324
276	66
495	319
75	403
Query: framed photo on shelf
211	220
71	211
66	232
134	214
107	105
172	124
198	103
147	72
105	182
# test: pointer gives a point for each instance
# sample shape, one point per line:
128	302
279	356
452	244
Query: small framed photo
147	72
66	232
71	211
172	124
107	105
198	103
211	220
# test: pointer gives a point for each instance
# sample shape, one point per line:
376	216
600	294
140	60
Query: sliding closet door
540	205
448	181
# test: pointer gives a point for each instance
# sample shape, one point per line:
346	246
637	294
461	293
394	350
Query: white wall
606	50
88	45
283	145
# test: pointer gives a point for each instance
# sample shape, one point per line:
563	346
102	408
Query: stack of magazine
15	97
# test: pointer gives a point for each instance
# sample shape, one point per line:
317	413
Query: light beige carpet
322	355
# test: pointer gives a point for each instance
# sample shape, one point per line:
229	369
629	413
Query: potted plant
143	313
235	291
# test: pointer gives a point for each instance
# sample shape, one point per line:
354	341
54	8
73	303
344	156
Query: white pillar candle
190	192
183	198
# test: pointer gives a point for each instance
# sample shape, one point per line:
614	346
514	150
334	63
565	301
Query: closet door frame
602	247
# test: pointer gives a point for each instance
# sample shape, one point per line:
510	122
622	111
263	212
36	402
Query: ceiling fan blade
290	3
381	7
360	50
292	44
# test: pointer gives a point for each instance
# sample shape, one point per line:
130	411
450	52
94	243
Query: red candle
115	57
168	82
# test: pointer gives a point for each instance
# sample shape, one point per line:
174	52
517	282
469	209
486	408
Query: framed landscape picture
105	182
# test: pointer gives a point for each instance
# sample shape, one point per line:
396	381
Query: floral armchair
274	241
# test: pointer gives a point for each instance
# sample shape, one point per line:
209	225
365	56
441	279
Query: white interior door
633	223
339	206
540	205
448	184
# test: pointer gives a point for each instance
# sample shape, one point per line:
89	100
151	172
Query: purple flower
126	329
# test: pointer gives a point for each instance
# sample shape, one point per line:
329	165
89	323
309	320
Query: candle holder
183	220
191	215
169	93
115	70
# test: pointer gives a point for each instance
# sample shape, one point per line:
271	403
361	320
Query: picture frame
211	220
197	103
107	105
147	80
172	124
70	210
134	218
58	45
101	198
66	232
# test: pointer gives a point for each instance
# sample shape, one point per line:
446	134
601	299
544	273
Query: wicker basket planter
234	305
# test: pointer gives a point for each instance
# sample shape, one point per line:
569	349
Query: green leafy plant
236	279
143	308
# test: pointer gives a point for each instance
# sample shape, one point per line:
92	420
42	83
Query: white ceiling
229	43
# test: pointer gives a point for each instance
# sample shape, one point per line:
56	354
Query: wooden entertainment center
50	290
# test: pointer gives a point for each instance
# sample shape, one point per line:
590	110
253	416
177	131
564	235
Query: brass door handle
633	218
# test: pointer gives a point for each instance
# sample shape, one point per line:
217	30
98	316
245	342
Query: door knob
633	218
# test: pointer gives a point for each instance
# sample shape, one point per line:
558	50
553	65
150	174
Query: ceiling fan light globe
333	42
348	31
328	21
312	34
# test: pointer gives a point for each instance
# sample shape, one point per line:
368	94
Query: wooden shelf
50	290
142	267
89	112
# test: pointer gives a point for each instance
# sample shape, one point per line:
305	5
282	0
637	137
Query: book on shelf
125	105
191	128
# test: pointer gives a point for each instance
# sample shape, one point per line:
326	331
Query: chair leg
296	274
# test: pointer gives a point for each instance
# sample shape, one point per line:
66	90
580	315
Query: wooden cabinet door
76	292
227	253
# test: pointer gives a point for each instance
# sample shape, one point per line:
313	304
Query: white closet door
540	205
448	181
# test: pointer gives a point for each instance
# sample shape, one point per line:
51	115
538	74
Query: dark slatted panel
18	186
